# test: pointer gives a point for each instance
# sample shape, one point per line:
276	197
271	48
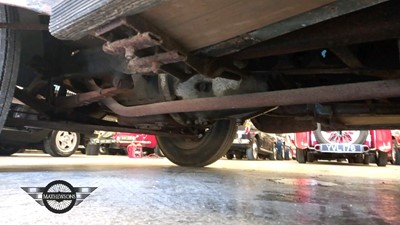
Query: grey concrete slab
154	191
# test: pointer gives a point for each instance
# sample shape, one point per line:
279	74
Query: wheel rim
102	149
66	141
341	137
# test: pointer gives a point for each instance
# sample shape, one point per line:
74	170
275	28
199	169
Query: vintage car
252	144
190	71
357	146
57	143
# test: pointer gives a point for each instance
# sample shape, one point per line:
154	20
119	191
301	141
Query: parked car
253	144
116	142
57	143
357	146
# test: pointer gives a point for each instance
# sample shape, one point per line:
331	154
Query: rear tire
61	143
158	152
239	156
366	159
7	150
358	159
112	151
382	158
203	151
9	61
310	157
397	155
301	156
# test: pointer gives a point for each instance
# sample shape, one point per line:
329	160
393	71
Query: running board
74	19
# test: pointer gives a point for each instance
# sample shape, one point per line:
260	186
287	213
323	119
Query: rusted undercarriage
333	62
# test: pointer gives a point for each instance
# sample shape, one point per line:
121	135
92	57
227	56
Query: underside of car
190	71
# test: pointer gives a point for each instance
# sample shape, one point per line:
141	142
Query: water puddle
303	182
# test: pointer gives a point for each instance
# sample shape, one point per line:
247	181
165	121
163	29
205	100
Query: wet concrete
154	191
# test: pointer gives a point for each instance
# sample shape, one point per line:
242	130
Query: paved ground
154	191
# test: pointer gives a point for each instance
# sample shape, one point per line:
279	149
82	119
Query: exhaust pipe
313	95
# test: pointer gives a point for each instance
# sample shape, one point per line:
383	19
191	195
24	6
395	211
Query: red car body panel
380	140
124	139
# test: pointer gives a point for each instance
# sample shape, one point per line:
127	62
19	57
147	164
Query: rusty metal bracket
128	46
167	48
154	62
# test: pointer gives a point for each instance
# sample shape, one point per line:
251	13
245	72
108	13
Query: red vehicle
113	143
357	146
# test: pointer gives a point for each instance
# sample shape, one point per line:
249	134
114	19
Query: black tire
366	159
397	154
61	143
203	151
122	151
229	155
7	150
301	156
373	158
263	157
310	157
93	149
239	155
358	159
252	151
112	151
322	140
382	158
159	152
9	61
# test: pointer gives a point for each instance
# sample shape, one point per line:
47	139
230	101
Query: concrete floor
154	191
